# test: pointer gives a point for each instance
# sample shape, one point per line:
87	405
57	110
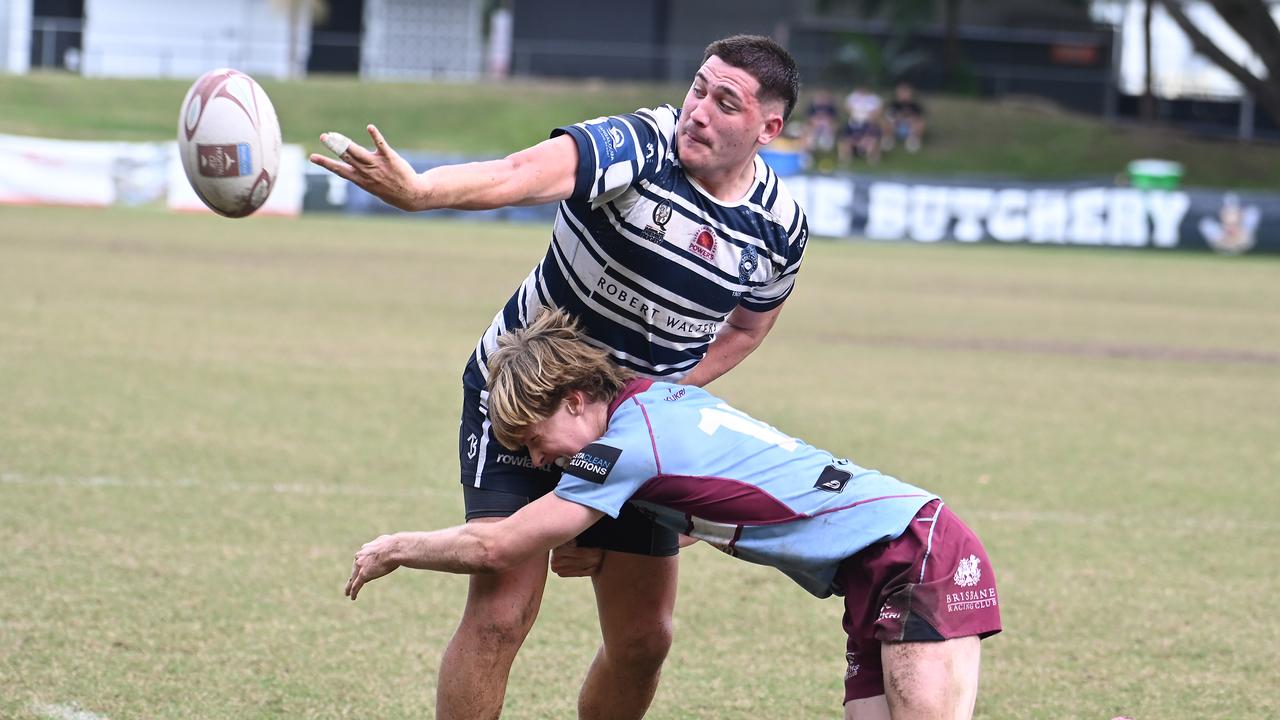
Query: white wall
164	38
407	39
15	36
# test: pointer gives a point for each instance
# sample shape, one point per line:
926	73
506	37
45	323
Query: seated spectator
905	119
820	129
862	133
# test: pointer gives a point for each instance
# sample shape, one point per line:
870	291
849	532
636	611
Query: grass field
203	420
967	136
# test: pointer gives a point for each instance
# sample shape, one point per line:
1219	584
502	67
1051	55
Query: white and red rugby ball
229	141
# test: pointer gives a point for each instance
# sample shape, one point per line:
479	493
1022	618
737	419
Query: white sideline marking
10	478
65	712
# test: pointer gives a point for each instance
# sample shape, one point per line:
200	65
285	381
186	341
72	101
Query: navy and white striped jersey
700	467
650	263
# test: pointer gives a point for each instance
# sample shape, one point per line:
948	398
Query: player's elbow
490	551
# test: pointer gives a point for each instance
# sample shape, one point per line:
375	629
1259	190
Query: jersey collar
634	387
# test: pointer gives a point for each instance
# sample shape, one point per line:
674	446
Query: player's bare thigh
933	680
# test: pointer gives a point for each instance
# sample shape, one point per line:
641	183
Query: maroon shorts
932	583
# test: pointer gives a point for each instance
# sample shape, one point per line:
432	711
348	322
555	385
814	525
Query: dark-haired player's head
739	100
767	61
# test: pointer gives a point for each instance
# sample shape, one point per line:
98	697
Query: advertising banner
38	171
925	210
1080	214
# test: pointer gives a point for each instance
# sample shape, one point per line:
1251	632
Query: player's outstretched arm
539	174
476	547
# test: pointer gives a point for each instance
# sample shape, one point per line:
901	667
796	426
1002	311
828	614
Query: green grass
204	419
966	136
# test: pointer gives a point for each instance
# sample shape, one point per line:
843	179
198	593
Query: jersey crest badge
748	264
968	574
661	216
704	244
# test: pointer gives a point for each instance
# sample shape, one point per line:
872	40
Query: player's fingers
355	571
336	142
340	169
357	155
378	141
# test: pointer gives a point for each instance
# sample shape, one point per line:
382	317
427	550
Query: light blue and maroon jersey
702	468
649	262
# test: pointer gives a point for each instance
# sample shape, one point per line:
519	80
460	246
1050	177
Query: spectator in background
863	132
905	119
821	128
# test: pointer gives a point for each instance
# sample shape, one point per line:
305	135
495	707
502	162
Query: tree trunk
1147	106
1251	19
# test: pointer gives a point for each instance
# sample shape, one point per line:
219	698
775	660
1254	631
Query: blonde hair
536	366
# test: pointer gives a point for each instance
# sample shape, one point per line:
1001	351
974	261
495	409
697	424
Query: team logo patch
832	480
662	214
969	572
657	232
748	264
594	463
224	160
854	667
704	243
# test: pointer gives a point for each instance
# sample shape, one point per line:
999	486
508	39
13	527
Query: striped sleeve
614	153
769	296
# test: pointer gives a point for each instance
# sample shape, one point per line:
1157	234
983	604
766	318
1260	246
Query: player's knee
644	647
500	623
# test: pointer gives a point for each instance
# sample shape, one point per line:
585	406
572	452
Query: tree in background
882	64
1252	21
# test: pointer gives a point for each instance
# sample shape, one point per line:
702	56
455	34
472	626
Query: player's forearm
461	549
483	185
540	174
731	346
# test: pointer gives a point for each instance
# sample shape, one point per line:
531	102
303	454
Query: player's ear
772	128
574	402
772	124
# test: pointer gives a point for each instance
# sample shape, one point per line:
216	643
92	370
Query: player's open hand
569	560
372	562
382	172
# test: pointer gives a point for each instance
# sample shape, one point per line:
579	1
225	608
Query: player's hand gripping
382	172
373	560
569	560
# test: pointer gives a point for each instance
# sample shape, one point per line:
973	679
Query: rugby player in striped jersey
676	246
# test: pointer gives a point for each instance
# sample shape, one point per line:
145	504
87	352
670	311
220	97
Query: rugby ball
229	142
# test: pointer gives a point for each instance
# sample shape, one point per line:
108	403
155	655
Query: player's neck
729	185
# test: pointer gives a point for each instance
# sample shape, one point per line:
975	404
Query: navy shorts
498	481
